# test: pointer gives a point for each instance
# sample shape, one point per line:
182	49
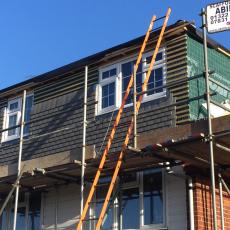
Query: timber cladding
59	126
57	123
57	114
176	51
66	84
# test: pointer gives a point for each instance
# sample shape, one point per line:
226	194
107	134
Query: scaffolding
210	138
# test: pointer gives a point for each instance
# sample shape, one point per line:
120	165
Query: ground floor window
28	214
130	208
138	201
153	197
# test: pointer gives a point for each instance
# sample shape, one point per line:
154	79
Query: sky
39	36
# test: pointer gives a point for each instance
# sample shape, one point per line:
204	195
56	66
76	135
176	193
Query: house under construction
137	114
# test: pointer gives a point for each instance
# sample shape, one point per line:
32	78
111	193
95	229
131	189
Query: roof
100	55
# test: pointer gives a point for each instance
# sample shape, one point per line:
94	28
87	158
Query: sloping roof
100	55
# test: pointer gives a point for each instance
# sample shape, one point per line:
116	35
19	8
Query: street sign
218	16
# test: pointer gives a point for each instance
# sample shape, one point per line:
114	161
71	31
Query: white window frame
8	113
28	95
104	82
157	65
141	197
121	63
139	184
21	204
118	81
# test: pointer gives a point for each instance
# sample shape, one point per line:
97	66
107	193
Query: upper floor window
114	80
12	117
108	88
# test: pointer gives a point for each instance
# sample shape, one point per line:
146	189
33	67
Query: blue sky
38	36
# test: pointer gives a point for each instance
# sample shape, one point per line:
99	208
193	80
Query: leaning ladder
116	122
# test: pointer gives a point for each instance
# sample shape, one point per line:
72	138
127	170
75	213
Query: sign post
210	134
215	18
218	17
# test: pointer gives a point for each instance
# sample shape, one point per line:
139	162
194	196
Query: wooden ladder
116	122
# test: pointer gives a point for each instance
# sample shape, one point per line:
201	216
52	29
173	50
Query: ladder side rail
120	159
116	122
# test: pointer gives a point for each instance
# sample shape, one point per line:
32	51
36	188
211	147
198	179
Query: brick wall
203	204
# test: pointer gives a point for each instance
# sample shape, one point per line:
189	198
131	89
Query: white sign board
218	16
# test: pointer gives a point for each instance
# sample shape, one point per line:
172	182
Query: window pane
34	214
113	72
158	58
159	79
148	60
12	122
3	221
139	79
105	75
159	74
108	219
105	90
109	73
130	208
127	70
105	102
14	106
153	199
112	88
151	83
29	104
108	95
111	100
155	80
21	218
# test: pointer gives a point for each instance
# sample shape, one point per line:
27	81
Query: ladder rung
96	218
98	201
95	202
102	184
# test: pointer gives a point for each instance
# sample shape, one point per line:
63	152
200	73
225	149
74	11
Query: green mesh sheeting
219	63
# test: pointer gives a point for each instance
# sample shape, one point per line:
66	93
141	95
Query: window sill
10	139
145	99
152	227
107	110
14	138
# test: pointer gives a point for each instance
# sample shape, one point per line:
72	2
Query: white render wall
61	207
176	207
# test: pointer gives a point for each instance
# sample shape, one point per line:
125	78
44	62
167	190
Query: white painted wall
65	201
176	210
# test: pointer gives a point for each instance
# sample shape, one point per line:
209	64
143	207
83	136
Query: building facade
152	192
